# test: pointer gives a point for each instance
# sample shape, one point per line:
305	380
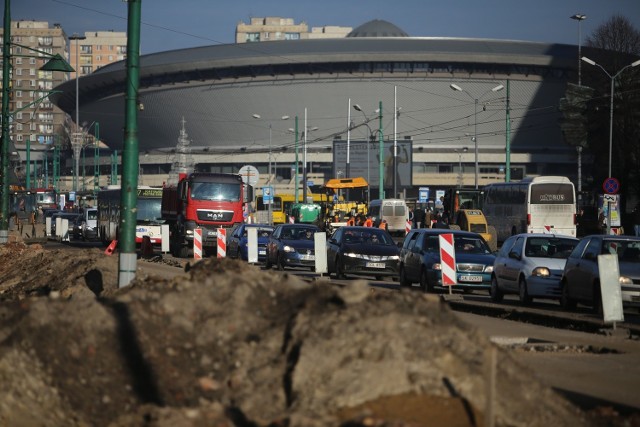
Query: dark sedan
362	251
420	259
238	244
581	277
292	245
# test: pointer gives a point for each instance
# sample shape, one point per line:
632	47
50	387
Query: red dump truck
208	201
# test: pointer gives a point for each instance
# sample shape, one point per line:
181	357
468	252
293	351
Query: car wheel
280	262
267	263
338	269
525	299
404	282
424	281
565	300
496	294
597	299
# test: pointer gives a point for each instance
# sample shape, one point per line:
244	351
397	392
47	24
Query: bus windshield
215	191
149	210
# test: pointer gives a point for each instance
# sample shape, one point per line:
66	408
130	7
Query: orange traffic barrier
111	247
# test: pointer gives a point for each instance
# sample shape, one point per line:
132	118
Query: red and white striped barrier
222	243
197	243
407	227
292	220
447	260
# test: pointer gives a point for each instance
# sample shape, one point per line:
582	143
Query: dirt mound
230	345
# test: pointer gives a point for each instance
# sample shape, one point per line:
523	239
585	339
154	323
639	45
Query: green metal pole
96	161
381	139
114	167
507	176
84	168
129	186
28	165
297	166
56	168
6	64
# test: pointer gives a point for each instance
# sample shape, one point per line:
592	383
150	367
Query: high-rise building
276	28
34	120
96	49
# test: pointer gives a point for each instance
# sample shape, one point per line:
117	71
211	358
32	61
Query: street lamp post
459	152
77	140
369	138
258	116
579	17
475	115
613	78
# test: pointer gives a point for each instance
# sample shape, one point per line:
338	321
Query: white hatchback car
531	266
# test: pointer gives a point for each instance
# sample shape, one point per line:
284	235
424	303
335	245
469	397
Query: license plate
212	233
473	279
307	257
375	265
263	252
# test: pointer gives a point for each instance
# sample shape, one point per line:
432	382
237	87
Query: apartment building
34	120
276	28
95	49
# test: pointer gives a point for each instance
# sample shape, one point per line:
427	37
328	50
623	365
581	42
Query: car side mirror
590	256
334	241
514	255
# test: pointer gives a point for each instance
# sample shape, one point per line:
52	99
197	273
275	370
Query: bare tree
614	45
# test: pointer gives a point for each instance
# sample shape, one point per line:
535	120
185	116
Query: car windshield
470	245
627	251
549	247
262	231
372	236
298	233
215	191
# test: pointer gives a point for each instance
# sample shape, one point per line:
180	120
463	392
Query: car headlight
436	266
288	248
394	257
189	232
541	272
625	280
488	269
351	255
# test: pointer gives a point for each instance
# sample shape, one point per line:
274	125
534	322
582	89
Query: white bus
148	215
543	204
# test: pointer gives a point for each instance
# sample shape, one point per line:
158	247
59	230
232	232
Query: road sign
423	194
267	195
249	174
611	186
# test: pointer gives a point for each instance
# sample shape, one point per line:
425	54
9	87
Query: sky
178	24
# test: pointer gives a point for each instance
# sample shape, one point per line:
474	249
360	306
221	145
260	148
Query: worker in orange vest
383	225
351	221
368	222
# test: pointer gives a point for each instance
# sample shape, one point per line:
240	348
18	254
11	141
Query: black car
292	245
238	243
362	251
420	259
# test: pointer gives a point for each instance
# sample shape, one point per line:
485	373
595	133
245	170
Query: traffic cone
111	247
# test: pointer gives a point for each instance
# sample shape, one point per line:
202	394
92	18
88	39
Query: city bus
148	214
542	204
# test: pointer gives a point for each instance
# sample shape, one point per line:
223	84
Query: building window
32	61
85	69
18	94
19	137
18	71
18	83
266	36
110	58
253	37
19	115
18	61
292	36
32	83
19	126
32	71
19	104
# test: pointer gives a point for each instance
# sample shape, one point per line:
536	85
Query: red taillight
528	219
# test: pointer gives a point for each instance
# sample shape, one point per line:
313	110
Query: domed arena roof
377	28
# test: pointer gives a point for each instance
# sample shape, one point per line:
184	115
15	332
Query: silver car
581	278
531	266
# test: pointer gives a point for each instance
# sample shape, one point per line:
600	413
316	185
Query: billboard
364	161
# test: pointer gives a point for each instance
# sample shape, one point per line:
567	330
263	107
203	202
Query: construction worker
368	222
352	221
383	225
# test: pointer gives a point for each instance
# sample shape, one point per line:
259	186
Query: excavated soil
226	344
